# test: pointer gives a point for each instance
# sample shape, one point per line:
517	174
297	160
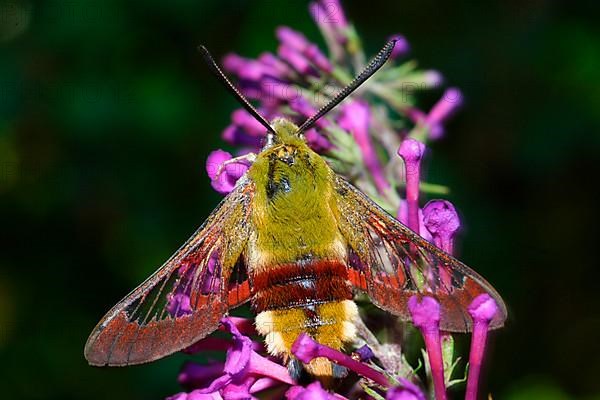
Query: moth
296	240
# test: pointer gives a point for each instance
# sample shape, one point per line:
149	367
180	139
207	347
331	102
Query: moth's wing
184	299
391	264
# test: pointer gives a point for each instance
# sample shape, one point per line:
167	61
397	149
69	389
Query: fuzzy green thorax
291	209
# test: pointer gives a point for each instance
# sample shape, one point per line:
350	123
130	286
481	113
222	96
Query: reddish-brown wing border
391	263
126	336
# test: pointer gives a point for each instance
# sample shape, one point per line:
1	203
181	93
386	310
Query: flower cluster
377	140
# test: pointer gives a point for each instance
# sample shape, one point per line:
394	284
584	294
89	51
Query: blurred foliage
107	115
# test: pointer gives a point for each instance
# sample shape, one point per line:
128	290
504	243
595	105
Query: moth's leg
295	369
249	157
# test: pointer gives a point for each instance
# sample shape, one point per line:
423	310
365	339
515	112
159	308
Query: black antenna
214	68
376	63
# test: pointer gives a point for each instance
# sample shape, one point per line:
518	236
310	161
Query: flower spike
361	142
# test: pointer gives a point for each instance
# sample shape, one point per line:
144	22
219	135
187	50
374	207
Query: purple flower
482	309
401	48
242	367
425	313
257	78
333	37
412	151
305	109
316	141
245	130
178	301
446	106
405	391
297	41
196	395
239	391
244	68
179	304
243	325
314	54
314	391
243	360
450	102
292	38
296	59
263	384
237	136
432	78
355	118
194	375
211	282
402	216
276	67
333	14
224	176
248	123
217	344
426	316
305	349
249	70
441	220
267	67
364	353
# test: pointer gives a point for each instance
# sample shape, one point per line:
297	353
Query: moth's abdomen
301	285
307	296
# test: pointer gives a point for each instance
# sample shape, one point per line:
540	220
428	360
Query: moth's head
284	132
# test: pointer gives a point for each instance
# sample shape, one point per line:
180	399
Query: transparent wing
184	299
391	264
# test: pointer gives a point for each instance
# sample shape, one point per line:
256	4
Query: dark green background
107	115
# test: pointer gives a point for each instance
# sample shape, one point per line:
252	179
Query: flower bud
223	177
441	220
482	309
401	48
411	151
426	316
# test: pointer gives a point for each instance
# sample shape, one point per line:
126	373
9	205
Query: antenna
376	63
214	68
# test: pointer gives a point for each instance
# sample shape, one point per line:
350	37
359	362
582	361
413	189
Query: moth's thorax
293	205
